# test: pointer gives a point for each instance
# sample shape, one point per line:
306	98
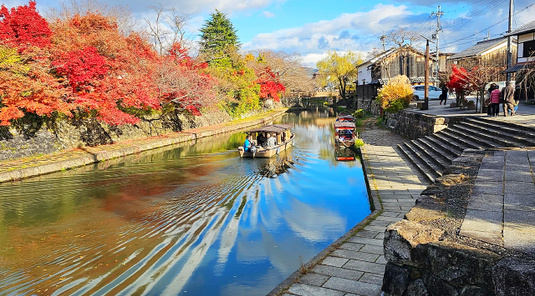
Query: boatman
247	144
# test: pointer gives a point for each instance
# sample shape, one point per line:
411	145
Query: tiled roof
479	48
390	51
524	29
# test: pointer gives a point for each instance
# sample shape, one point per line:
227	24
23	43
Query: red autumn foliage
181	83
81	67
27	86
458	78
110	74
270	87
23	26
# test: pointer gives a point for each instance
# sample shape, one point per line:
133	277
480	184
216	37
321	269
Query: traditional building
487	53
525	36
404	60
525	59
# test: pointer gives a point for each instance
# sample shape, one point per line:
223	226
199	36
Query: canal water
192	220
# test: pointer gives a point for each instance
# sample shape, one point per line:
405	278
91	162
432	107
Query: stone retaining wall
412	125
88	155
427	256
37	138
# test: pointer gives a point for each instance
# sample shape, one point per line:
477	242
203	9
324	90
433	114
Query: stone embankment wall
15	170
38	138
427	256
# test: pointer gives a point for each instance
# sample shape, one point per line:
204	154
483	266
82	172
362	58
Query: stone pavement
356	266
500	210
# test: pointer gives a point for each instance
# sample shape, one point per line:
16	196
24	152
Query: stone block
337	272
436	286
514	276
355	287
396	279
520	187
460	265
403	236
307	290
313	279
475	291
417	288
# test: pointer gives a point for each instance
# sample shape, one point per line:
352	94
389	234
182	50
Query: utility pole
383	40
509	40
426	76
439	13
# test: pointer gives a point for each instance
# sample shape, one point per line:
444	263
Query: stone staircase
433	154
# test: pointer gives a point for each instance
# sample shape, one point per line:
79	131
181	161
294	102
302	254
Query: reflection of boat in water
276	166
345	153
345	131
262	146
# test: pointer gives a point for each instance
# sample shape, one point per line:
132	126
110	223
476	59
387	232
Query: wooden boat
344	117
345	133
283	140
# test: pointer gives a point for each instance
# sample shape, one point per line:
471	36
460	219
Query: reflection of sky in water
190	223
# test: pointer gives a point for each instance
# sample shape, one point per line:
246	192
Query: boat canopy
345	118
344	125
276	128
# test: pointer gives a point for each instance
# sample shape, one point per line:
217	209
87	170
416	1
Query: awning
518	67
514	68
276	128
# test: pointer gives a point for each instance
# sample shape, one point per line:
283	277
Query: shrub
396	94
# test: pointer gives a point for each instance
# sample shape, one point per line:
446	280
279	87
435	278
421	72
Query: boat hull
267	152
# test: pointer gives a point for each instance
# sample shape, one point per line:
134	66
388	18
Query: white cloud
268	14
199	6
346	32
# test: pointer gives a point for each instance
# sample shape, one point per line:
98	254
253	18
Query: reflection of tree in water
276	166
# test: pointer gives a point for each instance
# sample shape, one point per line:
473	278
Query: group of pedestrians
506	97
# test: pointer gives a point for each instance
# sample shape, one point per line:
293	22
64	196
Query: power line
487	28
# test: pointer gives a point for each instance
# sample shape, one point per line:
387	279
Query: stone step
416	158
455	139
433	157
446	156
516	132
472	137
493	135
451	149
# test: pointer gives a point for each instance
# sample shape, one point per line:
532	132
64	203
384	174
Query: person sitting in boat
247	144
261	139
271	141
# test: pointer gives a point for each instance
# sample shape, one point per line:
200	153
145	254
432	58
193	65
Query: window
529	49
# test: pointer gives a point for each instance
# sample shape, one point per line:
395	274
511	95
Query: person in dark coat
444	95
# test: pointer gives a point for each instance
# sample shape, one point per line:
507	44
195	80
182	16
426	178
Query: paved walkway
500	210
356	267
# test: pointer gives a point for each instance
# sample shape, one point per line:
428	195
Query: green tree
218	34
339	70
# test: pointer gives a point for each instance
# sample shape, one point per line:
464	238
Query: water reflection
194	220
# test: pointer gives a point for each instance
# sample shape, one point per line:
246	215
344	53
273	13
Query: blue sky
311	27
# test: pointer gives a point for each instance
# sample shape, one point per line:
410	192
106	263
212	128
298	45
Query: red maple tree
22	27
270	86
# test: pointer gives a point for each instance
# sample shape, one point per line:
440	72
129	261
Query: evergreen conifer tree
218	34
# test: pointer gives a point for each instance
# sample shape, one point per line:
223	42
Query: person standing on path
444	95
509	99
495	101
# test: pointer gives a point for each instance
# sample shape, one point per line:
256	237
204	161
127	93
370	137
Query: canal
191	220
